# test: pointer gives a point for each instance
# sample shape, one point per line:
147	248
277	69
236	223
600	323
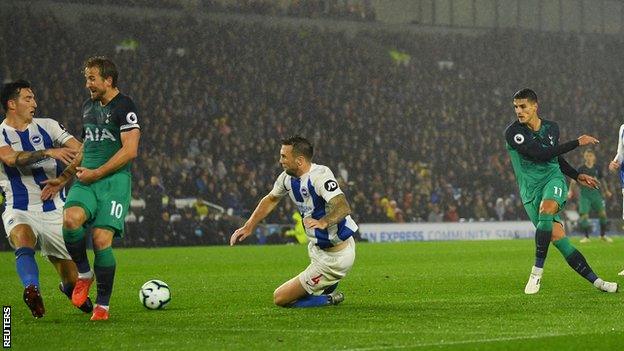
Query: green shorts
591	202
105	202
556	189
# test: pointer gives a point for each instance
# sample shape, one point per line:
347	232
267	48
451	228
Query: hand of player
86	175
240	234
570	195
608	194
614	166
63	154
312	223
588	181
587	140
52	186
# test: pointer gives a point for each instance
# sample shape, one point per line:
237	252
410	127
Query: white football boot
535	279
606	286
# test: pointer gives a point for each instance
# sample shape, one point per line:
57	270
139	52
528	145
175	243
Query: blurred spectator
153	196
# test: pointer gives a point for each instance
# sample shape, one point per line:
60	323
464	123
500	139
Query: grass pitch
409	296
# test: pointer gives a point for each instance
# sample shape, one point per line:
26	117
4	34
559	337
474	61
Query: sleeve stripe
129	126
65	138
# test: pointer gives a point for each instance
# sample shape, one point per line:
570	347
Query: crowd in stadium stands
418	138
162	4
354	10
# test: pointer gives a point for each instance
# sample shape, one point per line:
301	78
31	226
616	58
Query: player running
591	199
101	195
535	152
326	217
28	147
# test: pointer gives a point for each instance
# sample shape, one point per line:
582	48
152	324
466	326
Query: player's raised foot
584	240
606	286
81	292
99	313
534	283
34	301
606	238
335	298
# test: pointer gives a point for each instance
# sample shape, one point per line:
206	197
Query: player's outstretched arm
518	139
14	158
265	206
338	209
588	181
52	186
567	169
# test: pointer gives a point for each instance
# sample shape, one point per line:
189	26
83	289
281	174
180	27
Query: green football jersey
594	172
532	173
102	128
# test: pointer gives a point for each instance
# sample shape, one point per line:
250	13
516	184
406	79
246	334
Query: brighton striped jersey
22	185
311	193
619	157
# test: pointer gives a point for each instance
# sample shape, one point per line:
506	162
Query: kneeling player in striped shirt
327	221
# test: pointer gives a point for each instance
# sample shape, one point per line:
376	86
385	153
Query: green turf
424	296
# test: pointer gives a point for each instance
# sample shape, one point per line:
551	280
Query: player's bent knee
73	218
100	243
22	236
279	302
549	207
278	299
281	297
102	238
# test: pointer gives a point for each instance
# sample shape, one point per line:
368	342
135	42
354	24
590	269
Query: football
155	294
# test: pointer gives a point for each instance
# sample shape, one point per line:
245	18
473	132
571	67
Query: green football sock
575	259
104	267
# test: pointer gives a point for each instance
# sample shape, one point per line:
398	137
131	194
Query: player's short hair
525	93
106	66
11	91
301	146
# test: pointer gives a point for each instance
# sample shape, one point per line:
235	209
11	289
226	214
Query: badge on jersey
331	185
519	138
131	118
35	139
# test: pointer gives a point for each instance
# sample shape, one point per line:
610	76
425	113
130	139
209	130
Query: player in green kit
101	195
535	152
591	199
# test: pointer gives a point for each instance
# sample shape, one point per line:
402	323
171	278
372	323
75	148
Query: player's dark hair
11	91
525	93
301	146
106	66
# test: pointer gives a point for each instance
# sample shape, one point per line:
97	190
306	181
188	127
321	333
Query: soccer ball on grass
155	294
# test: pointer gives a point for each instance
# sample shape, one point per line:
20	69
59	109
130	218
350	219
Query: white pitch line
304	331
463	342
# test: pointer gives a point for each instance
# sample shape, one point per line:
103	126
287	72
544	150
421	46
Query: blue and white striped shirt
22	185
311	193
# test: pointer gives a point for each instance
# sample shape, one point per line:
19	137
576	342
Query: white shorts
47	227
326	268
